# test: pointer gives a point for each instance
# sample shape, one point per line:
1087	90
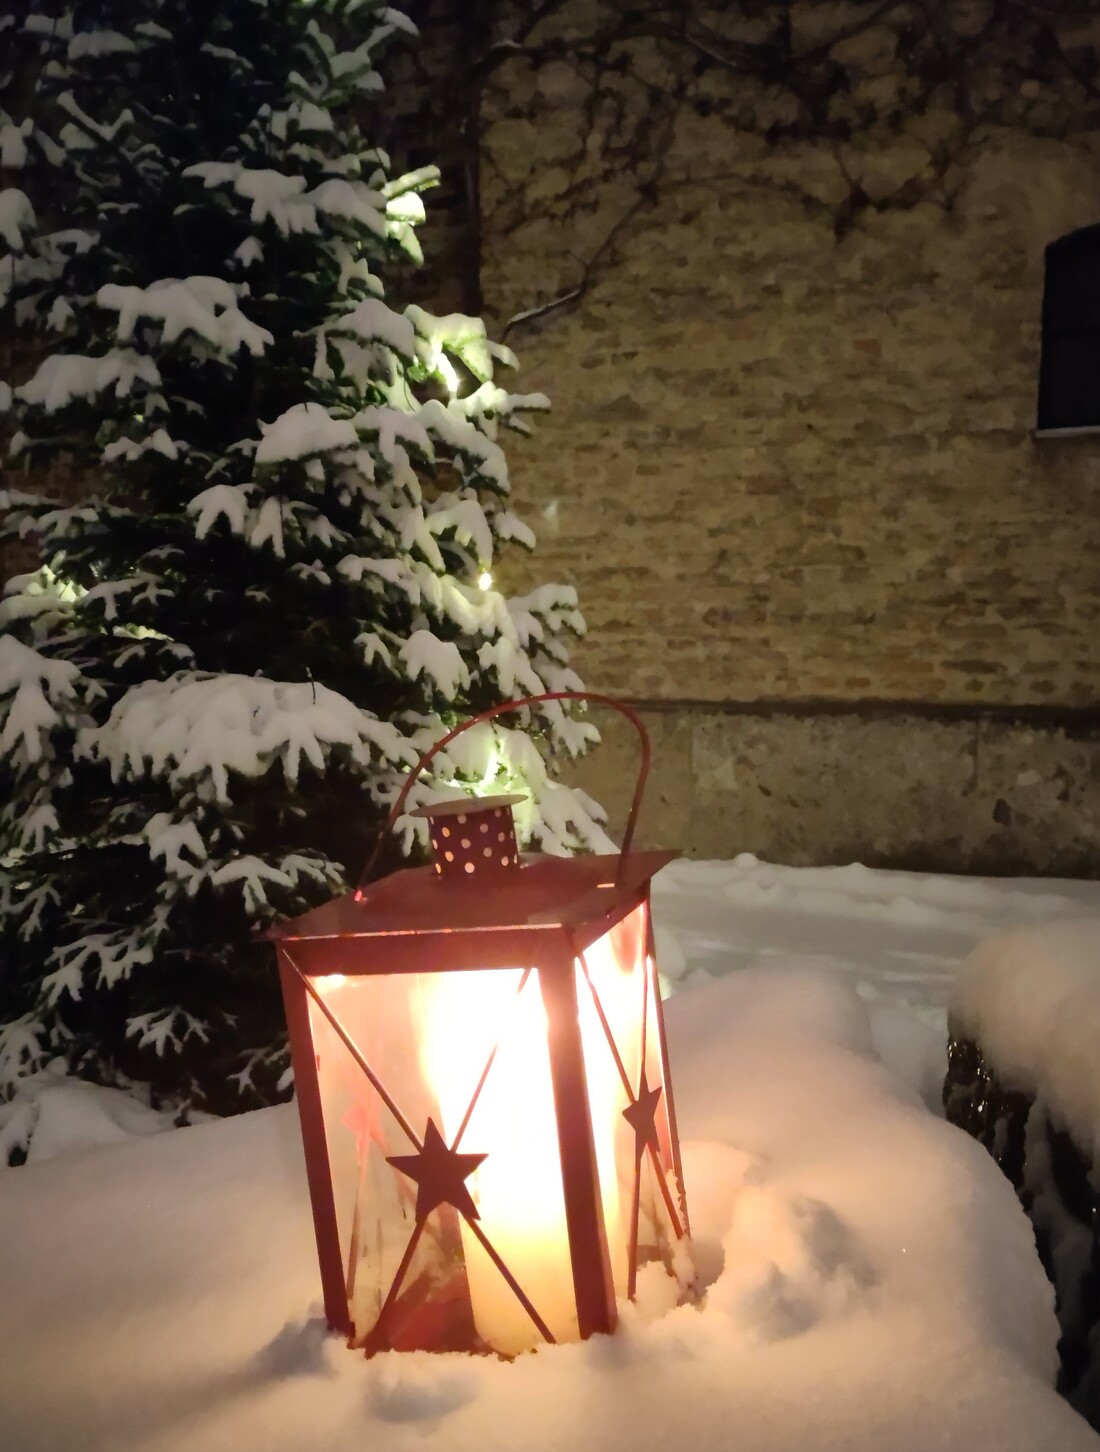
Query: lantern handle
499	710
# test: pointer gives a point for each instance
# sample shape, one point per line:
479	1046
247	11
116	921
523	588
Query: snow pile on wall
1031	998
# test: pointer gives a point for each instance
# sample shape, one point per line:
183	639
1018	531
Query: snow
466	518
59	1114
871	1281
63	377
468	442
114	956
391	425
282	199
231	502
898	937
304	430
398	20
455	333
204	727
1031	997
309	117
99	42
32	679
439	659
353	201
203	305
373	321
16	216
272	194
158	442
251	250
268	528
13	142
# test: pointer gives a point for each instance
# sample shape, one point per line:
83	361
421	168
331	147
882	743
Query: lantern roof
545	893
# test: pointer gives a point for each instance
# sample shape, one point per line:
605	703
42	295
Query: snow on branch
467	442
284	200
352	201
35	685
205	728
547	609
460	335
14	136
98	43
203	305
304	431
65	377
22	1047
465	518
16	216
489	406
393	429
116	954
172	1026
440	660
372	321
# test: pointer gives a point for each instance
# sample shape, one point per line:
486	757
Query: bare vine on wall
849	79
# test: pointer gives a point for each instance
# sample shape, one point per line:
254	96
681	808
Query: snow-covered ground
872	1283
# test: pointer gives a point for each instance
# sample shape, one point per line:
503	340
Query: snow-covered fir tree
278	589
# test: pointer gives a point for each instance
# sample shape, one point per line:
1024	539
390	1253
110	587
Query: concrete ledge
925	788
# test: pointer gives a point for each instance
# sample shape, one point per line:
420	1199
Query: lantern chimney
473	838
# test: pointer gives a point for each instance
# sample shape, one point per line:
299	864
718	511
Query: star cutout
641	1116
439	1173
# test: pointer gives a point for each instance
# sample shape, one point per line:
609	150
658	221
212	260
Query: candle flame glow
517	1189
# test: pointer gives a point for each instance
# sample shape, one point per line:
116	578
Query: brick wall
790	464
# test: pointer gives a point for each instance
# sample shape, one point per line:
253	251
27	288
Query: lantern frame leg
307	1093
668	1100
593	1286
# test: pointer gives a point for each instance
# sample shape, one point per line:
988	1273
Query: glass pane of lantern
374	1204
621	1032
490	1027
468	1051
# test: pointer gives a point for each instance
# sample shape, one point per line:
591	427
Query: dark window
1069	368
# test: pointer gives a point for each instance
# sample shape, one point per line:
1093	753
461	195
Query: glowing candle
518	1189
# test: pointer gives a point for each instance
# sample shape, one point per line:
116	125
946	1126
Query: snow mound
790	1264
871	1282
54	1114
1031	998
870	1279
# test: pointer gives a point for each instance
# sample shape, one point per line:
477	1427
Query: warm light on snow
484	580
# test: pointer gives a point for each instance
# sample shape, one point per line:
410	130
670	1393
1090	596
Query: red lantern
479	1056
